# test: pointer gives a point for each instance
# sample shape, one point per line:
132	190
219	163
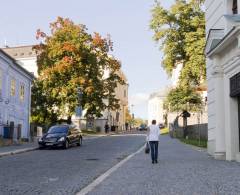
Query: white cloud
138	99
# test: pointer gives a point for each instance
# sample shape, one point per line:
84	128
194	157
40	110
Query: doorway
238	123
235	93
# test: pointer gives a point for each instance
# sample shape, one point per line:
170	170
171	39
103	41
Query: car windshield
58	129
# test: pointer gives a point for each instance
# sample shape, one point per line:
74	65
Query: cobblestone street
181	170
65	172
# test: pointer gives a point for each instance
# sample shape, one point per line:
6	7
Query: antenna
5	43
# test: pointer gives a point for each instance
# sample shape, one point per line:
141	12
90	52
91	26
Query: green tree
128	117
181	34
70	58
139	121
181	98
42	109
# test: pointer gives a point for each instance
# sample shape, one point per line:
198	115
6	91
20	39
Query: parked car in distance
61	136
142	127
161	126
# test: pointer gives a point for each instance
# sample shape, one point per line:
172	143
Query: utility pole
132	115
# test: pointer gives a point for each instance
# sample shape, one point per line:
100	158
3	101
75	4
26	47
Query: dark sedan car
143	127
61	135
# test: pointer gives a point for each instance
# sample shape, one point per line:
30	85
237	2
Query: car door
76	135
71	136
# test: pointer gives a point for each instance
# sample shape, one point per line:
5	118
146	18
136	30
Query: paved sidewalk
16	149
181	170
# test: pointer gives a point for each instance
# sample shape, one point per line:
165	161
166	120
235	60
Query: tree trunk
69	120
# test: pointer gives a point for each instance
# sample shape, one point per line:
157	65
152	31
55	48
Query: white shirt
153	134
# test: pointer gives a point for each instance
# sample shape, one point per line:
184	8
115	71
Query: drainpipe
29	109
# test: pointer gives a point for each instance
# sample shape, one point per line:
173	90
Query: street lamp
79	106
79	95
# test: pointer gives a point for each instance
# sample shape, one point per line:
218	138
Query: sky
127	21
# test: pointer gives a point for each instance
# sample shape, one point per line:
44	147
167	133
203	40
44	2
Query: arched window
235	7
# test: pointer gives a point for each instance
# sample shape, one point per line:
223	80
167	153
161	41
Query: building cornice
213	38
225	41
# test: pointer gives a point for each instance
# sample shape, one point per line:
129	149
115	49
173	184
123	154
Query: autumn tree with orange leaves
69	58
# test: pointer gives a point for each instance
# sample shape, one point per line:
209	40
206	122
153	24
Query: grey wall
194	131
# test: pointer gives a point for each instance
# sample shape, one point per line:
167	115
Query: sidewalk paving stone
19	148
182	170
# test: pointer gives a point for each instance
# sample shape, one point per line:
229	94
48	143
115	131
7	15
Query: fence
10	131
193	131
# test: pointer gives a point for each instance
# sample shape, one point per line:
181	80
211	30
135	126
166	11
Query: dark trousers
154	150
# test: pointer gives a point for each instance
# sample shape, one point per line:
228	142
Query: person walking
106	127
153	138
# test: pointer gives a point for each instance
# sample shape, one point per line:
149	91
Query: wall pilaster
217	75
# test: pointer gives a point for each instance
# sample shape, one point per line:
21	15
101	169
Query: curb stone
18	151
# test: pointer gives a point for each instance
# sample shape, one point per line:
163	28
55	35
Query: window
235	7
22	92
1	82
125	93
13	87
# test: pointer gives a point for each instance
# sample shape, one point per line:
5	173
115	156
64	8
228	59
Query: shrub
98	129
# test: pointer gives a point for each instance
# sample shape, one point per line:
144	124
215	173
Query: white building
15	96
176	74
155	107
25	56
223	76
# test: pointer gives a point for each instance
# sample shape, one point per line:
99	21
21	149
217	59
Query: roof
20	51
16	64
122	75
161	94
201	88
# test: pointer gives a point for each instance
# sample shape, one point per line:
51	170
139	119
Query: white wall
176	74
214	20
30	64
155	110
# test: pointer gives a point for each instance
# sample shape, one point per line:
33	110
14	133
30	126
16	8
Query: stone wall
194	131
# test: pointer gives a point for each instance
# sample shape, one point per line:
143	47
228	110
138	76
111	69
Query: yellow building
117	118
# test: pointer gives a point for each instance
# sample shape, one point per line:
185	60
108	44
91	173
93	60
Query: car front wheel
66	144
79	142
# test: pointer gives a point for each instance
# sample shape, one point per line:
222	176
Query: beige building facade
117	118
